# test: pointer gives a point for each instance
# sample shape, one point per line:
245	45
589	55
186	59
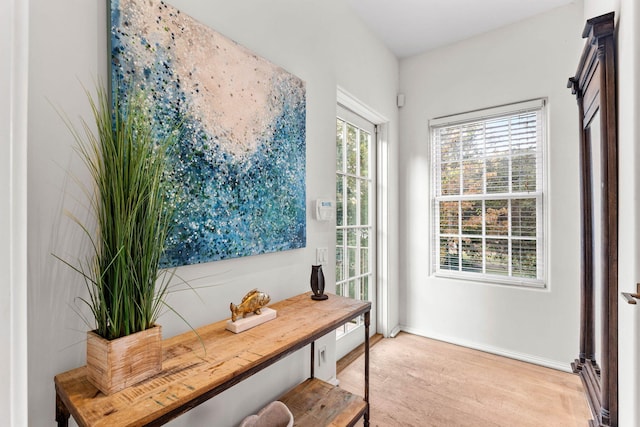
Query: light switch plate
322	256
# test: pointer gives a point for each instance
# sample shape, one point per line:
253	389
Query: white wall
629	205
321	42
628	34
593	8
527	60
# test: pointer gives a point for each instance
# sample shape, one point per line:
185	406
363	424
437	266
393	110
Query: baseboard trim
547	363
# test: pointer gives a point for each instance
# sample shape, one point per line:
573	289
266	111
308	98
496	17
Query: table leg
367	321
313	360
62	413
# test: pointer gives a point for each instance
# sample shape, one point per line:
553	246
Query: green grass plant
132	209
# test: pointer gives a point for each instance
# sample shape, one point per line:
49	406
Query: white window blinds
488	194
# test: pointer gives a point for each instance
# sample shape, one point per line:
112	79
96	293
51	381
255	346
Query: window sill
494	280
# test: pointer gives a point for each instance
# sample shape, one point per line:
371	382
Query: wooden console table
190	377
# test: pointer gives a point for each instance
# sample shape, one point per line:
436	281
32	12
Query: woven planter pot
113	365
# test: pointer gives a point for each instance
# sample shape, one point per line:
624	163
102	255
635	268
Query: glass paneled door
355	219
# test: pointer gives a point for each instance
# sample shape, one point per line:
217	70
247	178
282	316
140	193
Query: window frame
540	195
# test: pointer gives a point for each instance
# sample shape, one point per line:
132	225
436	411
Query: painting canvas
238	168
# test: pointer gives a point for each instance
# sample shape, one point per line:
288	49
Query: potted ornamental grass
132	208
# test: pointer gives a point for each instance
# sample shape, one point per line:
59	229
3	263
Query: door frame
13	224
350	102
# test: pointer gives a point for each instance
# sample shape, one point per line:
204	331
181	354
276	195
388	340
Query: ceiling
409	27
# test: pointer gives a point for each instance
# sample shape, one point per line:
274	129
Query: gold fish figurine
251	303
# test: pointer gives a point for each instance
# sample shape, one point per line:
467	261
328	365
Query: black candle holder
317	283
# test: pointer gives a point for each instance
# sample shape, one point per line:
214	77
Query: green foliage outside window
486	199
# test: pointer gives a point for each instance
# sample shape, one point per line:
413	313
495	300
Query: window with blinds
488	194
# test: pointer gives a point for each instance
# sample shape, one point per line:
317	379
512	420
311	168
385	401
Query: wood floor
415	381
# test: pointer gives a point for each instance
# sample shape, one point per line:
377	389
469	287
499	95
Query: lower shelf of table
316	403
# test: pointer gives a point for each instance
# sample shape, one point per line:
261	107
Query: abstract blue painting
238	169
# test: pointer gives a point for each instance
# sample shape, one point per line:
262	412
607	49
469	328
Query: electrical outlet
322	355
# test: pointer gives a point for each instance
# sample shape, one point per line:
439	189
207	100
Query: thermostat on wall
325	210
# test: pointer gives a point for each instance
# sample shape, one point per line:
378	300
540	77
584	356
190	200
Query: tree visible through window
488	194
